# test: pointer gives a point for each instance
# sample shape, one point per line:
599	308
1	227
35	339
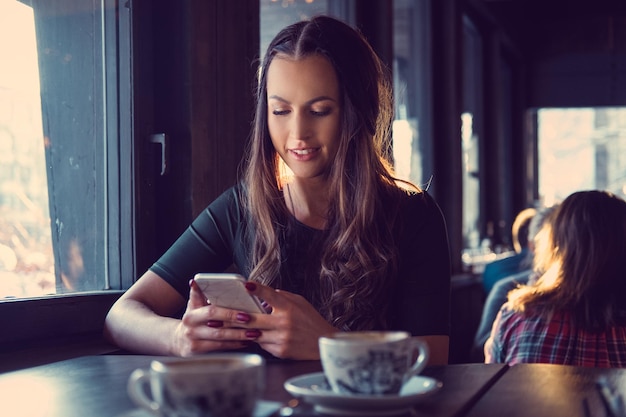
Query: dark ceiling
531	22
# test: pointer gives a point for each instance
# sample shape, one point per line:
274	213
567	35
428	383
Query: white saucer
263	409
313	389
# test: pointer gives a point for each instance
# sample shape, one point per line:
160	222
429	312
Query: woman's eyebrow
313	100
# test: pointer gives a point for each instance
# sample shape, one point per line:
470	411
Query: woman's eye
320	113
280	112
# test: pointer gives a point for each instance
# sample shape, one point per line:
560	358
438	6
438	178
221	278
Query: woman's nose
301	127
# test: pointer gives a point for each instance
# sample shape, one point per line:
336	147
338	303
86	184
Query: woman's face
304	113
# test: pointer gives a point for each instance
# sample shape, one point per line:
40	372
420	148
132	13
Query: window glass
412	151
581	149
53	138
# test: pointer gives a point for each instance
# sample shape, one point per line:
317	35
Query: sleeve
212	243
494	346
421	300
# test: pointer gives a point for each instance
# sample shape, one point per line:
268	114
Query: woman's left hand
293	327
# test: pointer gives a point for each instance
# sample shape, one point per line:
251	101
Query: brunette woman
325	233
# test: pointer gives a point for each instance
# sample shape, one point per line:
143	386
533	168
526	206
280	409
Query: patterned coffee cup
371	363
211	385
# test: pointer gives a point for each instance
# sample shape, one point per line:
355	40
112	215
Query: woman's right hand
143	320
204	327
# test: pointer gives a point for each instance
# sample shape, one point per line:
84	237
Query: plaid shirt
517	338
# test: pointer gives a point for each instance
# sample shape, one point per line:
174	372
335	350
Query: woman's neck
308	202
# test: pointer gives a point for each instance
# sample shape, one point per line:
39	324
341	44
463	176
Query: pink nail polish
215	323
253	334
250	286
243	317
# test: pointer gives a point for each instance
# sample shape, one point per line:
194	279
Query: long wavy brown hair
582	251
359	255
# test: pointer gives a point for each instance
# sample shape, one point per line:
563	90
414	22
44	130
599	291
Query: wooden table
542	390
95	386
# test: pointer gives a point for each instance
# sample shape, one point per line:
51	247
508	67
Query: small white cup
212	385
371	363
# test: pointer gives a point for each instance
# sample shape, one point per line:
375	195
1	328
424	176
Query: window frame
50	320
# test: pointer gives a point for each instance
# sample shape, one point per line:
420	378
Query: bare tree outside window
26	256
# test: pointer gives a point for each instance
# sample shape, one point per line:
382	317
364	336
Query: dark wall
202	70
575	50
578	61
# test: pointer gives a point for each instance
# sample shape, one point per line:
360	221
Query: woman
500	291
319	225
575	313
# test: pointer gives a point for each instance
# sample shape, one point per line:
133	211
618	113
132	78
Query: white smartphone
228	290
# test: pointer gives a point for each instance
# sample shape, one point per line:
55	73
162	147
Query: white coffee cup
212	385
373	362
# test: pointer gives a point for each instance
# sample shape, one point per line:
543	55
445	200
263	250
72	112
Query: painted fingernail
193	284
215	323
243	317
253	334
250	286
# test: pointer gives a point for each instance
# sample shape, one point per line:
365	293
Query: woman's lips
304	154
